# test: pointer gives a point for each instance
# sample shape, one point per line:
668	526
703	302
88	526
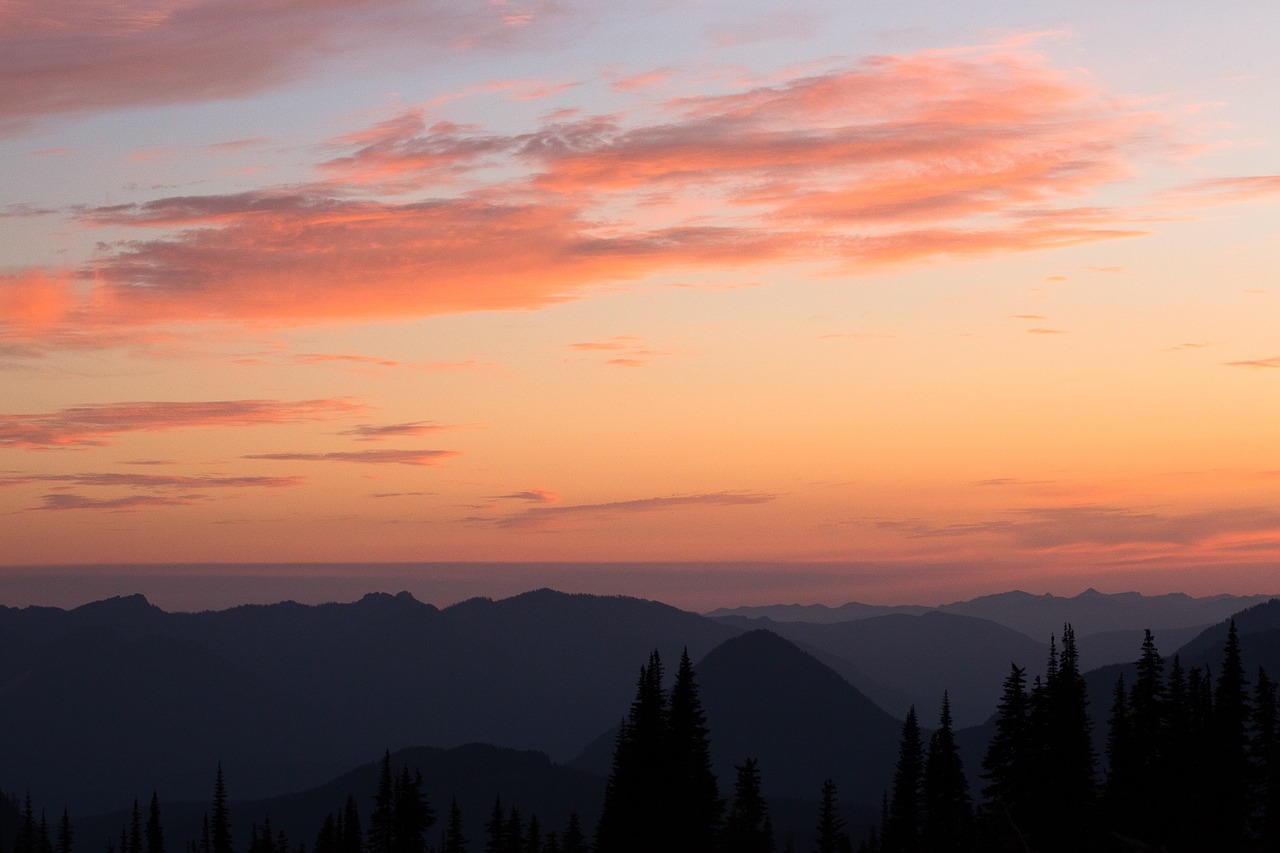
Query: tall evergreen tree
747	828
634	817
411	815
454	839
155	828
1264	753
514	832
1003	765
351	835
495	829
220	822
381	827
533	836
902	831
1230	740
831	837
66	833
574	839
693	800
1122	773
135	829
947	825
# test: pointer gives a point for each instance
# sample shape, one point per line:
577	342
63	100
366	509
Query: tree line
1191	763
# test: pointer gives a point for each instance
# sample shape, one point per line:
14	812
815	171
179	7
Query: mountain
820	613
767	699
902	659
119	697
1039	616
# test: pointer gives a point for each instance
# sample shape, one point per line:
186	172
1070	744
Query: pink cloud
1230	190
893	160
98	424
66	55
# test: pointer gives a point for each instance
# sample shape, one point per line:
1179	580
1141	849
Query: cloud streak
363	457
539	516
98	424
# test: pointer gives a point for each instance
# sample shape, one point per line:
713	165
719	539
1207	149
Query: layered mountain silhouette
1039	616
121	696
118	698
901	659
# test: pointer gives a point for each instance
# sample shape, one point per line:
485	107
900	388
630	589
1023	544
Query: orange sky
889	305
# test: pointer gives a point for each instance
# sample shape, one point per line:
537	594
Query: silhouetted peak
402	600
126	604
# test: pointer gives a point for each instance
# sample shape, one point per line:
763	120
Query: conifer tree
454	840
1230	740
947	824
220	823
831	837
747	828
411	815
495	829
1122	779
1003	765
350	834
1264	755
574	841
66	833
533	836
514	832
155	828
135	829
693	800
381	829
634	817
902	831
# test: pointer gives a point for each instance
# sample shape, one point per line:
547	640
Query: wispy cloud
627	350
542	515
155	481
1257	362
98	424
1101	525
379	432
363	457
538	496
67	501
1229	190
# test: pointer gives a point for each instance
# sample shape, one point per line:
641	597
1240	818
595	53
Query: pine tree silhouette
155	828
454	839
220	823
947	825
747	828
902	830
831	837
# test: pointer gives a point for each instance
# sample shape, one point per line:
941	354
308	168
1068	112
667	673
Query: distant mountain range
114	699
1038	616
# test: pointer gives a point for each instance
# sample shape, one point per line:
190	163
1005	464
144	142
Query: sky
711	302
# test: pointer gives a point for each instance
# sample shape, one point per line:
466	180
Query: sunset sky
820	301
